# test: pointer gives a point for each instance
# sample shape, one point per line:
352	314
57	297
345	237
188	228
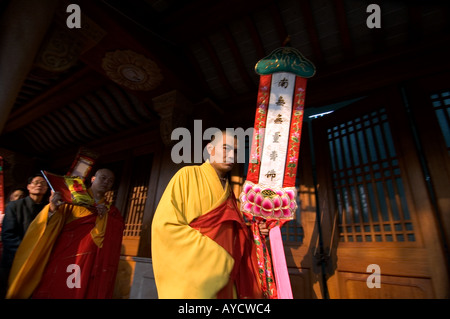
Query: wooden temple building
374	170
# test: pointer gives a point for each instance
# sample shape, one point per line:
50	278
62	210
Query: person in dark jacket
17	193
18	216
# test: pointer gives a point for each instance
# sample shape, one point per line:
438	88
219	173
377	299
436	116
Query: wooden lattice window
292	231
111	196
367	181
441	105
137	195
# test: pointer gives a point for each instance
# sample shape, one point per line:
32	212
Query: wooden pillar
173	109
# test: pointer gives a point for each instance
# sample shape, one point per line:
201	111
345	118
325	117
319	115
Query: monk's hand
55	201
101	210
263	228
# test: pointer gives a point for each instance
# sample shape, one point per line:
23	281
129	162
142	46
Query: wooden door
374	205
429	101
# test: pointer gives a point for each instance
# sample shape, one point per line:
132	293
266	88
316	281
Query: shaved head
102	181
104	171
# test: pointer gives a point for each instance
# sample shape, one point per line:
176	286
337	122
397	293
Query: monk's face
103	181
223	152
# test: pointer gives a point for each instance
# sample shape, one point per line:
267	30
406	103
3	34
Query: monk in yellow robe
201	247
69	251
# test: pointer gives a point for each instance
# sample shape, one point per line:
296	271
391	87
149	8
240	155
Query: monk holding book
72	248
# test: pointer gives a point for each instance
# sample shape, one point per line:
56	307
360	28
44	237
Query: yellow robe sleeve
33	253
187	264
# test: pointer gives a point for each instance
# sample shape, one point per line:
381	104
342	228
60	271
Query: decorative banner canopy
286	59
269	192
82	164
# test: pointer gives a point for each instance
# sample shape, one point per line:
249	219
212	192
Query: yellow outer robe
34	251
186	263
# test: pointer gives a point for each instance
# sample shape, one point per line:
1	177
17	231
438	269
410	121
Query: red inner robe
226	227
98	266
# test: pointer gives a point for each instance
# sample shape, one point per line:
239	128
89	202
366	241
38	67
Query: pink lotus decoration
268	202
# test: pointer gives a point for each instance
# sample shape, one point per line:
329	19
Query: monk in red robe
70	251
201	246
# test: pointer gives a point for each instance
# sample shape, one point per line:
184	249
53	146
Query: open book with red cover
72	189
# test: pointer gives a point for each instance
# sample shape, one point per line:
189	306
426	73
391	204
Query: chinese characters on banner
269	192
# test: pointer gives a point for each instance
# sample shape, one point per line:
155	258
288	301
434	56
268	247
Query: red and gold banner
83	163
269	193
